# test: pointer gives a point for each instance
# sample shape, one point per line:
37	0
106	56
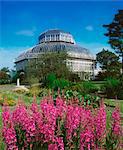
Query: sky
22	21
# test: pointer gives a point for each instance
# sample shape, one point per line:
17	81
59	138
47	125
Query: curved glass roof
73	50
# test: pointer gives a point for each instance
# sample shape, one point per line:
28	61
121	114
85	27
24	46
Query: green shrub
89	87
60	83
84	88
88	98
111	87
120	89
52	82
34	90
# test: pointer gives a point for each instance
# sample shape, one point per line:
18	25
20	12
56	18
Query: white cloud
89	28
26	32
8	55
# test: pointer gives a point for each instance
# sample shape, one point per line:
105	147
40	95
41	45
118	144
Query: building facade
80	61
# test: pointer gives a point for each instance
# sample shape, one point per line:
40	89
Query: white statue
18	82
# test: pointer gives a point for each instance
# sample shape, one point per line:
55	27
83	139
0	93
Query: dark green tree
48	63
109	63
4	75
115	34
5	69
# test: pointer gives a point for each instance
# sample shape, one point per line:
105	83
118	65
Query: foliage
111	87
48	63
109	62
4	76
105	58
113	137
88	87
37	91
5	69
120	92
60	83
85	87
54	83
49	81
7	99
59	125
34	90
15	76
115	34
85	100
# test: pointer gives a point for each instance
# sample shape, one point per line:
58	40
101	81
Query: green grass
98	84
112	103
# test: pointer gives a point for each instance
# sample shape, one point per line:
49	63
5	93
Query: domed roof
51	41
73	50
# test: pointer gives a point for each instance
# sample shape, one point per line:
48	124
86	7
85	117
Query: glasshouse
80	61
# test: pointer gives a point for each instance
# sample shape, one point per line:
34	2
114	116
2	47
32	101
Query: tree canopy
4	75
47	63
115	34
106	58
109	63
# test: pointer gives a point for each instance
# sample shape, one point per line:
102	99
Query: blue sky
22	21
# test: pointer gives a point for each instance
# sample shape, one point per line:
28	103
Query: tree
5	69
4	75
115	34
47	63
109	63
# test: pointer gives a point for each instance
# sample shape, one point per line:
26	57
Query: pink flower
22	117
116	122
100	123
73	116
52	147
49	113
47	123
60	106
59	140
9	133
87	138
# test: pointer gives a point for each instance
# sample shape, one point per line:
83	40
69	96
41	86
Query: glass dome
64	43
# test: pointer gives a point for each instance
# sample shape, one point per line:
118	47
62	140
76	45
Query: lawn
98	84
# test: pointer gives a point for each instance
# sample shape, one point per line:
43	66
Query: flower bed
59	125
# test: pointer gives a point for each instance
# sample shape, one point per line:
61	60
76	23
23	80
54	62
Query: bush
120	91
54	83
34	90
111	88
60	84
88	87
4	77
